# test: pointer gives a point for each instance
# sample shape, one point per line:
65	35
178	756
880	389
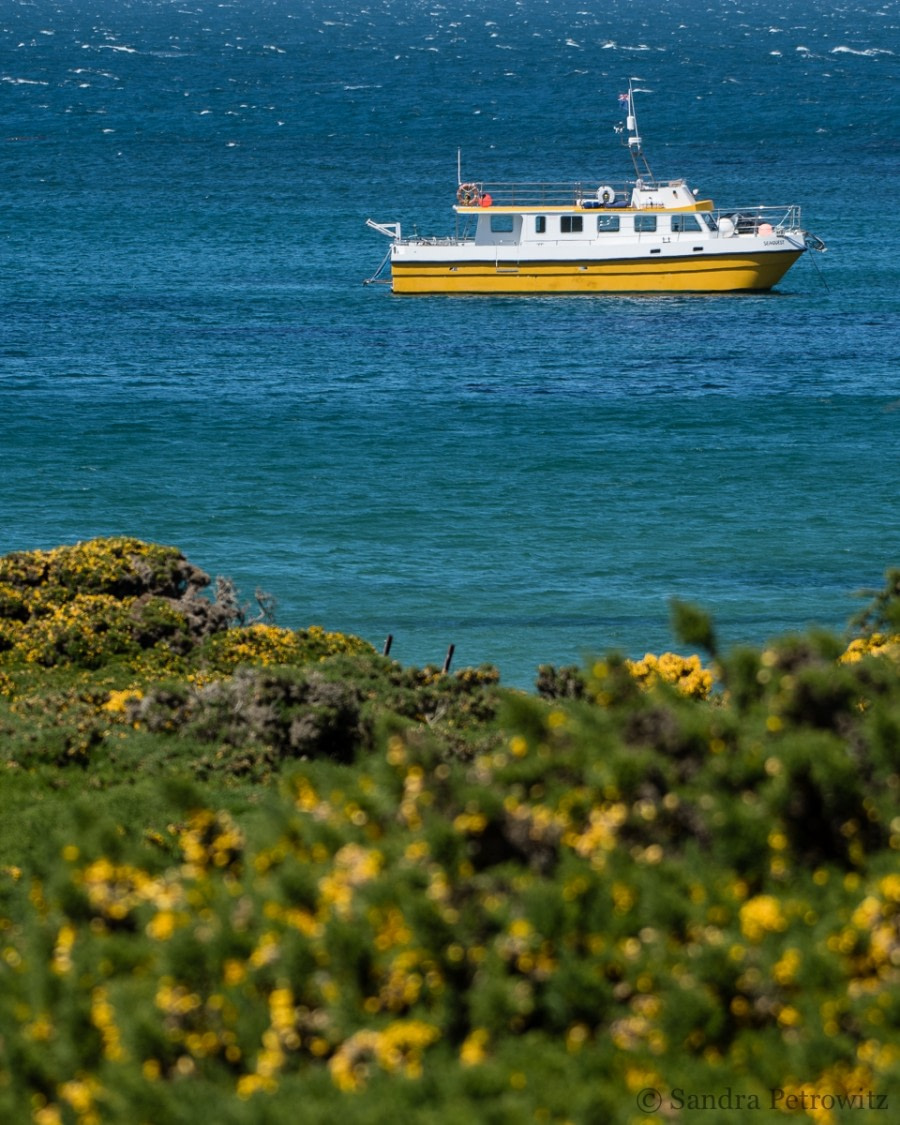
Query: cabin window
644	223
540	224
571	224
685	222
607	224
501	224
709	220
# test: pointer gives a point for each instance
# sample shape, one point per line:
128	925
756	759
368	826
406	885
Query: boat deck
566	195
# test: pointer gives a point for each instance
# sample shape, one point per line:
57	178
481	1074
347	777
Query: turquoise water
188	353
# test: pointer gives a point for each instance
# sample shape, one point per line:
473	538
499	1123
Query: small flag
623	99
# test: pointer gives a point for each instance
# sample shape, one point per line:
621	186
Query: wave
111	47
612	45
869	52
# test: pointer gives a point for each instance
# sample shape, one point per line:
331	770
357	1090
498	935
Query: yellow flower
398	1048
401	1044
685	672
117	703
890	887
601	832
103	1017
520	928
234	971
249	1084
786	967
162	926
789	1017
470	823
62	952
47	1115
40	1029
80	1093
349	1064
875	645
761	915
473	1050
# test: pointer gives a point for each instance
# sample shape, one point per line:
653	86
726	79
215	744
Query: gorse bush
288	879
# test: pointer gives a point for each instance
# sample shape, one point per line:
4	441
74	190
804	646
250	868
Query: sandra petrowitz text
649	1100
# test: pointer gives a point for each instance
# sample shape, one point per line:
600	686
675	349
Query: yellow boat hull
719	273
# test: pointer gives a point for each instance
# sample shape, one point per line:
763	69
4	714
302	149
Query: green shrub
246	871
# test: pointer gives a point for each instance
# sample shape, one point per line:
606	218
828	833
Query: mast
638	159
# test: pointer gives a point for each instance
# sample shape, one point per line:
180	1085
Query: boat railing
447	240
752	220
569	193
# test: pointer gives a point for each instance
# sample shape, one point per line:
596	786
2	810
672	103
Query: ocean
188	353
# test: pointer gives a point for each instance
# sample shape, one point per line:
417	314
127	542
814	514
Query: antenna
458	167
641	167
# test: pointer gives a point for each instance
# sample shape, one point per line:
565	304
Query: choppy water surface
188	353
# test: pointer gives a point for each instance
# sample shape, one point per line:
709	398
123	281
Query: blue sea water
188	353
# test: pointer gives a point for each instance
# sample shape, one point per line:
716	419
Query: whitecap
23	81
868	53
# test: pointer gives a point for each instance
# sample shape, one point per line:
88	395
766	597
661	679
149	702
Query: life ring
606	195
468	195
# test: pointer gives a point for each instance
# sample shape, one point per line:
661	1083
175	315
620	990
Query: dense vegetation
250	874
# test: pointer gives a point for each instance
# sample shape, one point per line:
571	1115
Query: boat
640	236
